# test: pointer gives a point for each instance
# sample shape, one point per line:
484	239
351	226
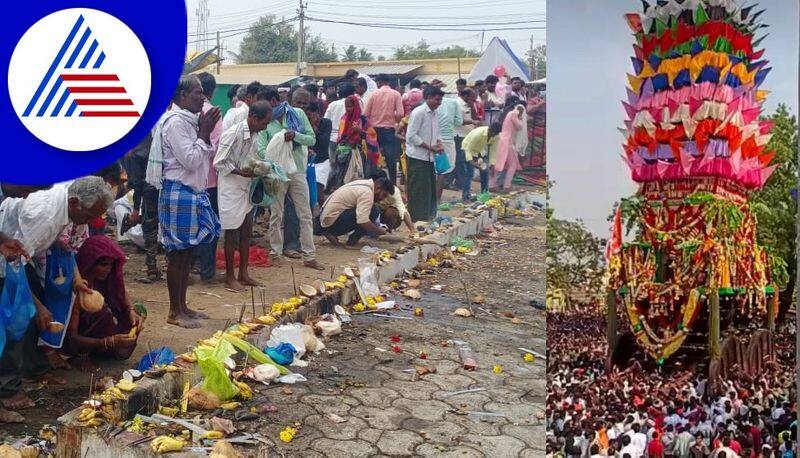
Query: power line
429	18
454	25
234	32
432	28
251	25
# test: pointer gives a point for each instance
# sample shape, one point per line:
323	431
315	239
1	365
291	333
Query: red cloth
258	258
98	223
351	117
113	287
655	449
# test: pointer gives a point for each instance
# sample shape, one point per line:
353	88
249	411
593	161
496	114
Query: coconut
462	312
412	294
202	399
319	285
93	302
349	272
308	290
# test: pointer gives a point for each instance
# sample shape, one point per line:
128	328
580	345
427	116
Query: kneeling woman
105	331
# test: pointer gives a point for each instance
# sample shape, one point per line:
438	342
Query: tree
575	261
352	54
537	58
422	50
270	41
774	206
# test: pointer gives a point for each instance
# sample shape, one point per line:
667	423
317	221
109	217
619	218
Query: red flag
615	241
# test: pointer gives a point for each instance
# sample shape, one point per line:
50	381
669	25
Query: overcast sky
235	14
589	50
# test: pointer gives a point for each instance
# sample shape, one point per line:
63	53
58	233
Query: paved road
389	410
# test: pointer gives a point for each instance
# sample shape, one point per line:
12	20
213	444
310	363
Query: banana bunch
359	307
267	319
189	357
164	444
247	328
236	333
210	342
245	392
335	284
341	279
126	385
87	413
115	393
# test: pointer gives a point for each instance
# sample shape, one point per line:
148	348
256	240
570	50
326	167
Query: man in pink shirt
413	97
206	260
384	110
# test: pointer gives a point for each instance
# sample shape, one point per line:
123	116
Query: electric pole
483	33
202	12
301	37
219	53
534	72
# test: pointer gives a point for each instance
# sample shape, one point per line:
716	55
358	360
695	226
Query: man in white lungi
237	148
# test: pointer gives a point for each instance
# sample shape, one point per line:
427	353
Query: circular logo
79	79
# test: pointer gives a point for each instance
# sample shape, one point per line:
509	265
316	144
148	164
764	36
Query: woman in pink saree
512	143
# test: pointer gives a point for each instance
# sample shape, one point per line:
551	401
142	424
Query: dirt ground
372	390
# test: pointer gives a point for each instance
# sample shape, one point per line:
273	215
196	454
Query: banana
231	405
244	390
168	411
164	444
237	334
212	435
189	357
133	332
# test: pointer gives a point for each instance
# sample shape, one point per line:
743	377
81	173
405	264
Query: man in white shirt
247	96
638	439
628	448
237	150
186	219
423	140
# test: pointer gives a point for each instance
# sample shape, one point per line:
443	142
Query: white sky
236	14
589	52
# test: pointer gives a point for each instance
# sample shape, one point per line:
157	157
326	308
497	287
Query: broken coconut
308	290
132	375
462	312
349	272
319	285
413	283
202	400
92	302
412	294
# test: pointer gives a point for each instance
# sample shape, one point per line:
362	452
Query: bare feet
293	254
233	285
7	416
18	401
183	321
194	314
55	360
83	364
333	239
247	281
314	264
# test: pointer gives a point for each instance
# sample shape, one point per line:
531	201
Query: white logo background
34	54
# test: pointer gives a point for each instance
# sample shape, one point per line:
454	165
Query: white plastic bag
121	208
291	334
280	152
368	277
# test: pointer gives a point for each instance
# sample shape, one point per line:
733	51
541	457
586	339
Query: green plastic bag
212	365
484	197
